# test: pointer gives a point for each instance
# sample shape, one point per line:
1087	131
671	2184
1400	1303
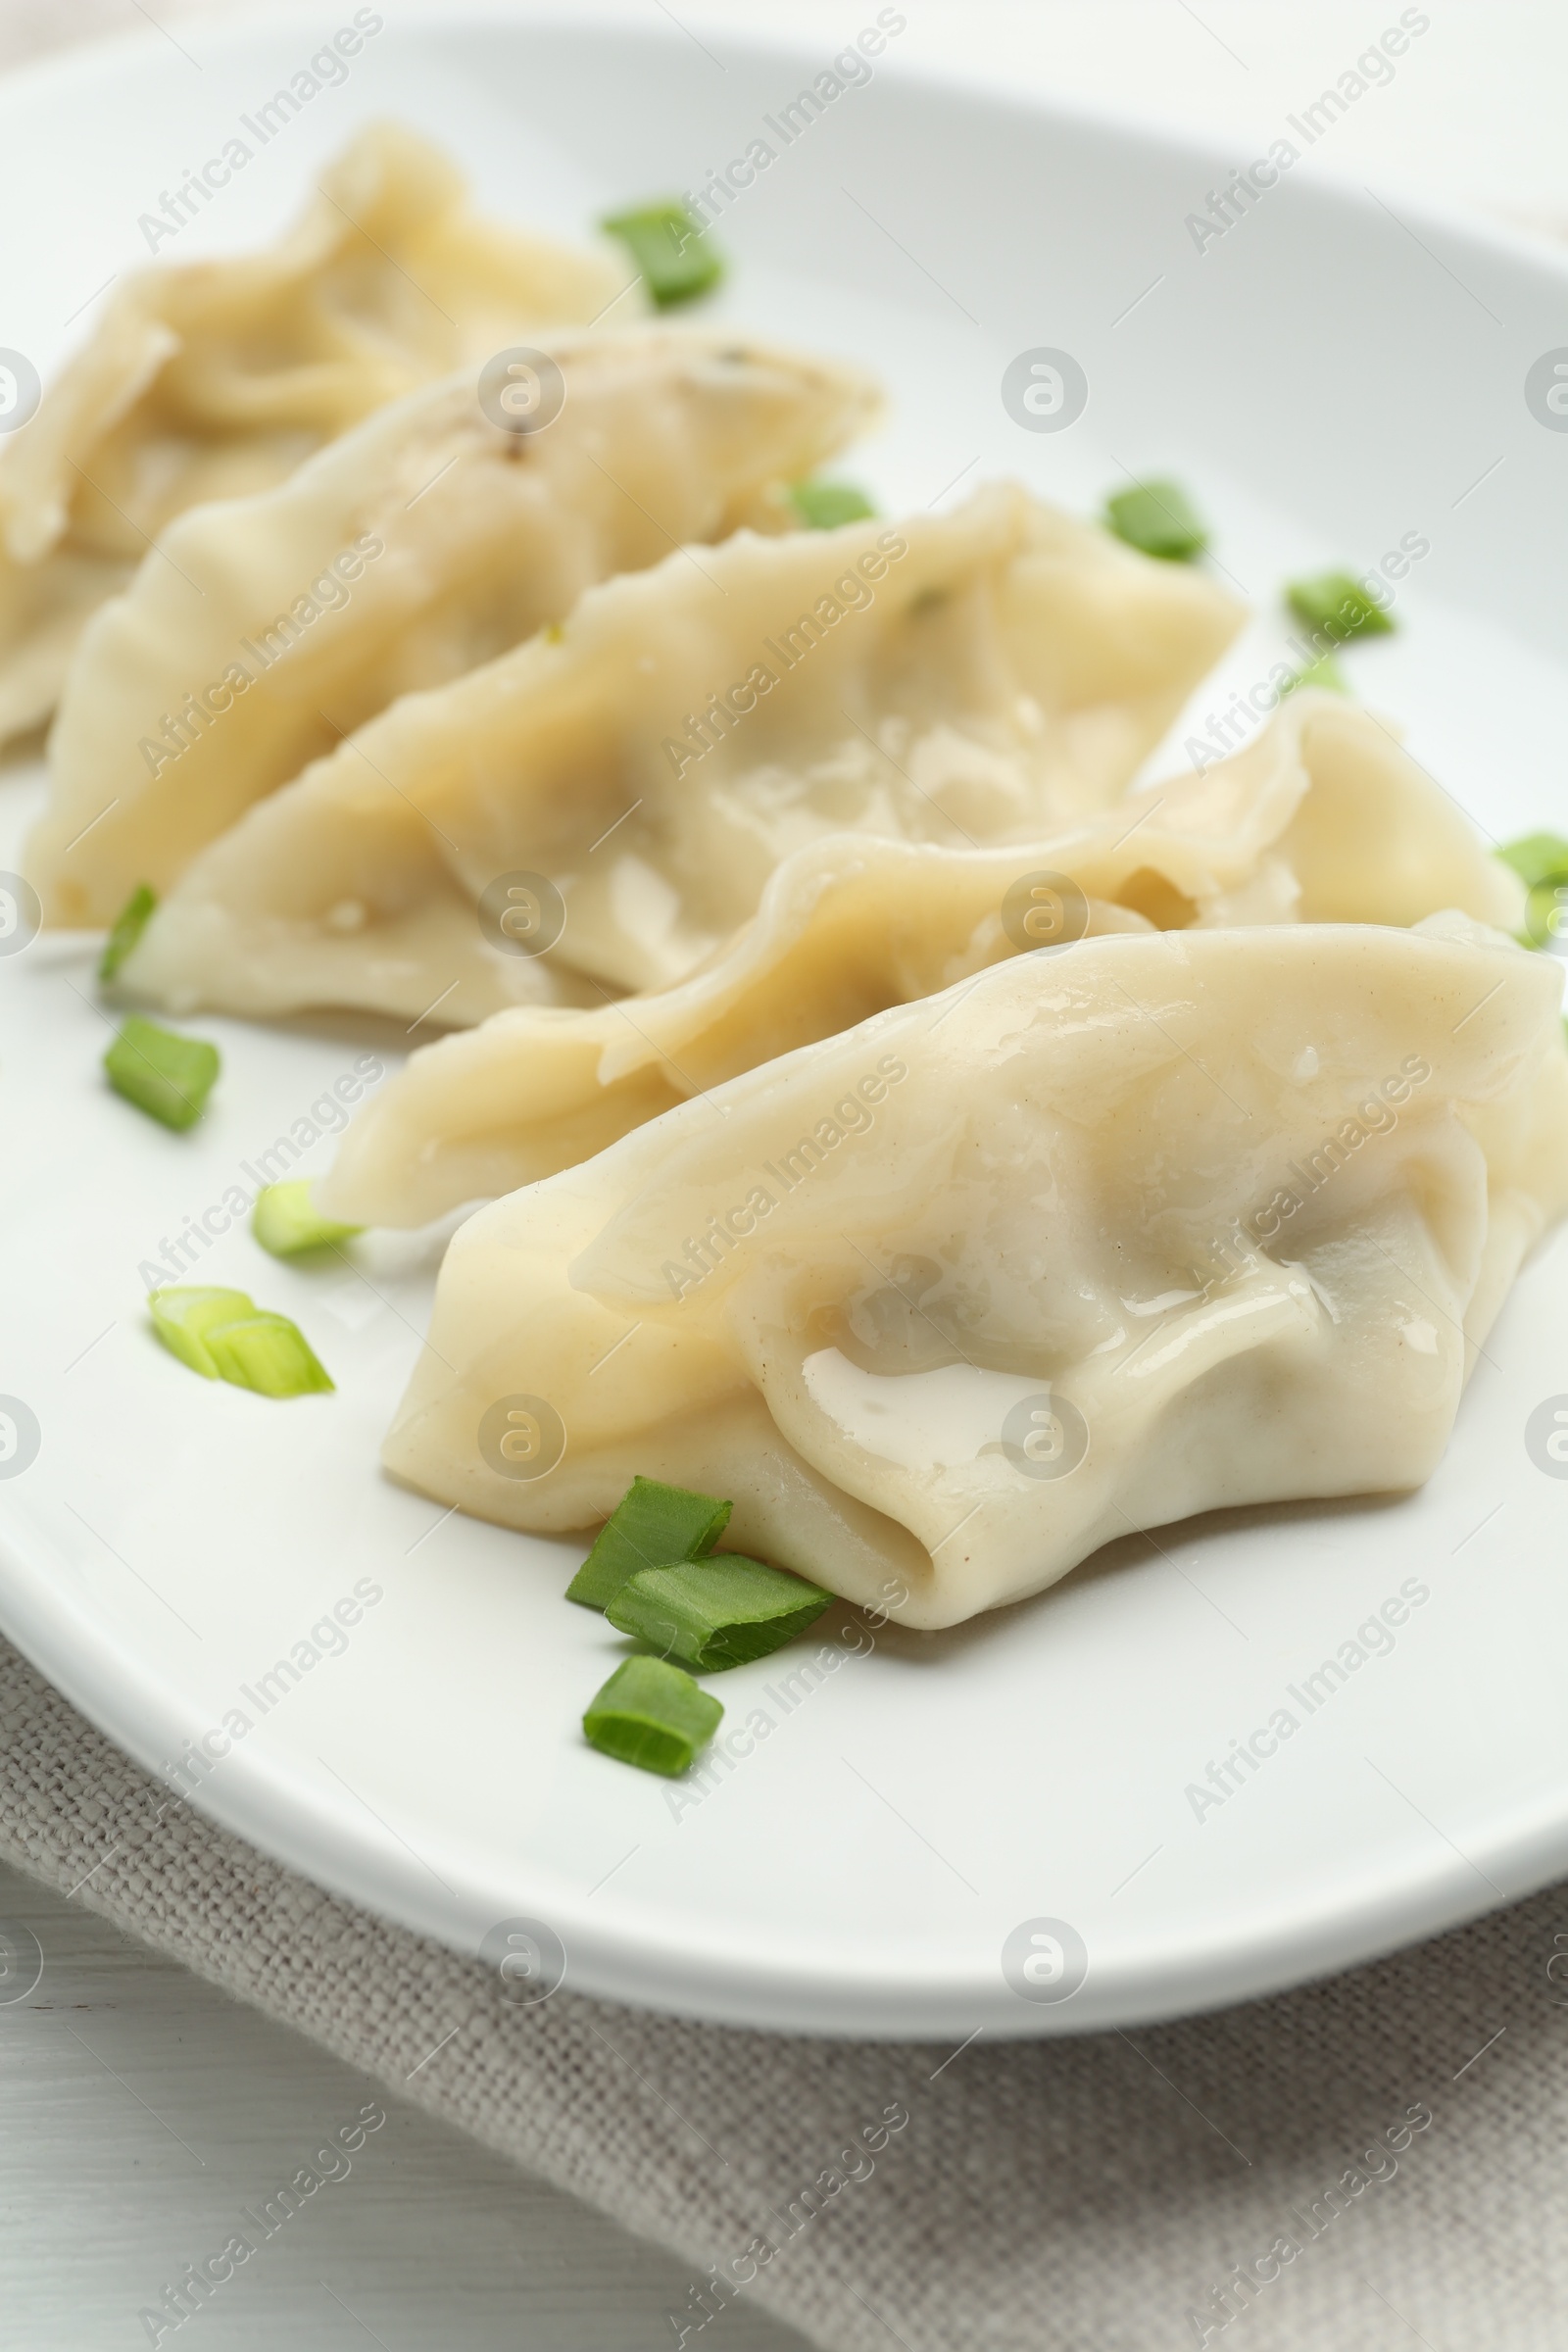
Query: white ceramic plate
1329	377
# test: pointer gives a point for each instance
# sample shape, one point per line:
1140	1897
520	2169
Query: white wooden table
140	2109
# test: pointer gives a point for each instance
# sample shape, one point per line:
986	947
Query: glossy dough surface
216	378
965	677
422	543
1160	1222
1323	820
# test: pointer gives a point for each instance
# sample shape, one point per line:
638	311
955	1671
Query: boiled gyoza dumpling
214	379
955	677
1148	1224
1322	819
425	541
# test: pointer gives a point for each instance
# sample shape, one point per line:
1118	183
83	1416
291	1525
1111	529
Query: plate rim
299	1825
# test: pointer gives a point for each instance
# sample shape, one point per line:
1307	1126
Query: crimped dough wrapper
1157	1223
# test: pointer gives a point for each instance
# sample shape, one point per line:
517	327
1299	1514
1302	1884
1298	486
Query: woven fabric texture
1365	2165
1381	2157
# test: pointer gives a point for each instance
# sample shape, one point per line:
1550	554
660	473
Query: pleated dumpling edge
1157	1224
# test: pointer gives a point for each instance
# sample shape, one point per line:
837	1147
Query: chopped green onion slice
268	1353
223	1336
717	1612
825	506
1540	861
651	1714
651	1526
284	1222
183	1318
1337	607
1546	915
1160	519
670	249
169	1077
1539	858
1324	671
128	925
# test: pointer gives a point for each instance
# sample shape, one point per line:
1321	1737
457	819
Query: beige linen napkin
1365	2165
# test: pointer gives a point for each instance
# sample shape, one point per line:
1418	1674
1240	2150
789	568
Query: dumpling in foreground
1153	1224
963	677
426	541
215	378
1322	819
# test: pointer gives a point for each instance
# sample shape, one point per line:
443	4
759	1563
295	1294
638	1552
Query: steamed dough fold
424	543
1162	1223
965	677
1322	819
215	378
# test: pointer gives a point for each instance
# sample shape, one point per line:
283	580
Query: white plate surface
1330	376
